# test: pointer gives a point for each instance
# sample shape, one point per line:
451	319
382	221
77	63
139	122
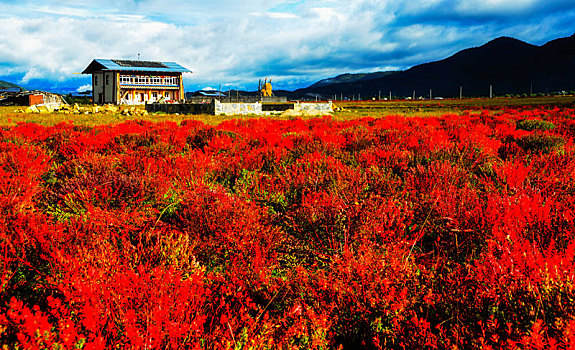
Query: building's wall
104	87
107	88
140	96
110	87
118	97
149	95
98	87
181	95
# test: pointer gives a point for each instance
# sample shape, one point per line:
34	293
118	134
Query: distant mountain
8	85
509	65
352	78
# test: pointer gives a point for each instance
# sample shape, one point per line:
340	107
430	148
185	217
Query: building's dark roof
209	93
21	98
138	66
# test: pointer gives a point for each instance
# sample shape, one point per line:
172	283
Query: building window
95	80
147	80
125	79
107	80
171	81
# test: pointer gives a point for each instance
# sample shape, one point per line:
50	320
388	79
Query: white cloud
63	11
238	42
33	73
282	15
275	15
83	88
327	14
494	6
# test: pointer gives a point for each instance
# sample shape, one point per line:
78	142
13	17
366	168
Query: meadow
390	225
9	116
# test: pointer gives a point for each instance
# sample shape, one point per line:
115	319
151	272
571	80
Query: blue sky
234	43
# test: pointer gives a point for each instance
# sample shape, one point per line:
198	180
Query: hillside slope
509	65
8	85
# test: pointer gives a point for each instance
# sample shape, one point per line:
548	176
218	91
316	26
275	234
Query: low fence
181	108
237	108
215	107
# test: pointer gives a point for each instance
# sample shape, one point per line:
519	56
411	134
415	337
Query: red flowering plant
392	232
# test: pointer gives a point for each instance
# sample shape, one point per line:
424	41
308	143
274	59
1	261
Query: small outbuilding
135	82
31	98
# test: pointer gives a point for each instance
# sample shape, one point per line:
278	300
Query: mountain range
8	85
502	66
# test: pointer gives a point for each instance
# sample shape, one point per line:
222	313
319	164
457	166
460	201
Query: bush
535	124
540	143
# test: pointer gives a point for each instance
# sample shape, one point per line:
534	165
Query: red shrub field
451	232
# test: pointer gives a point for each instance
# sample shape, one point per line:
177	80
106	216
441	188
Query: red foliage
451	232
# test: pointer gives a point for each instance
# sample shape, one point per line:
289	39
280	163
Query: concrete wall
181	108
237	108
110	88
305	108
104	84
97	87
317	107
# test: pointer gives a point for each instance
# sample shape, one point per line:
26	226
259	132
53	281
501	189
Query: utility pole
260	88
460	92
430	96
379	95
413	94
390	95
531	90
